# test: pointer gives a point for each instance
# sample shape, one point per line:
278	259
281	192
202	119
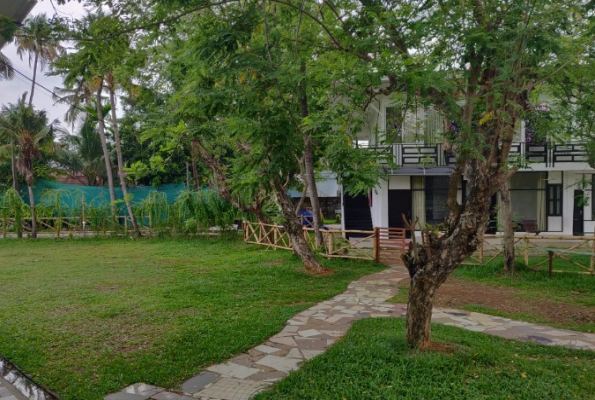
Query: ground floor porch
548	202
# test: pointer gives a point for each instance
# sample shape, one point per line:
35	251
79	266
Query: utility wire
53	94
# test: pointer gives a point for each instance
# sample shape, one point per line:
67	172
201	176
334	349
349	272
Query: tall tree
478	63
35	38
85	149
84	73
30	131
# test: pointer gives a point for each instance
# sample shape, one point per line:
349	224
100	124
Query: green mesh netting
72	196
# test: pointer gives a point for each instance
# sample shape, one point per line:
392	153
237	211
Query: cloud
11	91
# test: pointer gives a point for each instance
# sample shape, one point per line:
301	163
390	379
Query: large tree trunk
431	262
509	259
120	159
33	212
106	156
310	177
295	230
419	310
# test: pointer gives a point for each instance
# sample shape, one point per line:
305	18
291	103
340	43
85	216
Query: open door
577	215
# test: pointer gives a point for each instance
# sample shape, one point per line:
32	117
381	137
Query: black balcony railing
412	154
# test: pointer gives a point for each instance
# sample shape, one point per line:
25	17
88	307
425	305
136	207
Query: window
528	197
554	200
436	197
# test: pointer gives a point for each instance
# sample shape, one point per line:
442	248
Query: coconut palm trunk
33	212
120	158
106	156
14	171
33	81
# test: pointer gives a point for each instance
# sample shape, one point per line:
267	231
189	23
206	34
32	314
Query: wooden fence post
550	262
377	244
526	250
592	264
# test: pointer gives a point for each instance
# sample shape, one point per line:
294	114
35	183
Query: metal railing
419	154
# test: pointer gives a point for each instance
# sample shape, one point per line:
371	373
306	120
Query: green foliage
190	214
374	361
197	212
12	207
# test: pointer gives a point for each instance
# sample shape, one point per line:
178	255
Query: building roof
17	10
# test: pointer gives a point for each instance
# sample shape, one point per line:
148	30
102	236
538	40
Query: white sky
11	91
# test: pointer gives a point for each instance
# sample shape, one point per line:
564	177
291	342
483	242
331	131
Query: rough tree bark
431	262
294	229
509	259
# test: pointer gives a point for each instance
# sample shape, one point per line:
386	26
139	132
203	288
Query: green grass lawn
570	287
88	317
374	362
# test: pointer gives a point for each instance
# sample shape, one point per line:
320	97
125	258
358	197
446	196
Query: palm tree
35	39
30	131
83	78
7	73
85	148
6	70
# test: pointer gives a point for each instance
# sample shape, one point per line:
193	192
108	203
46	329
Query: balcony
424	155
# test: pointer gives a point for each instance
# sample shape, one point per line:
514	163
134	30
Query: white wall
379	208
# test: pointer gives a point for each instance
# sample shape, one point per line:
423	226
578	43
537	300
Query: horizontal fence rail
381	245
538	251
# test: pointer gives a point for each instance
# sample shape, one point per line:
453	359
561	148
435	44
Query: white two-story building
552	194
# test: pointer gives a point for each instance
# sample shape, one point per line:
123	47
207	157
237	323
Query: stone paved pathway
312	331
9	392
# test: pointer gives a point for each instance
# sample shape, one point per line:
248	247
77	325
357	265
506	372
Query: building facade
553	193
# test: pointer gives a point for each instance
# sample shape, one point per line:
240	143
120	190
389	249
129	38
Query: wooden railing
534	250
266	234
376	245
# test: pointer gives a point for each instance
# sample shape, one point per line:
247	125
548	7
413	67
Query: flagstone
309	333
284	364
233	370
289	341
233	389
295	353
266	349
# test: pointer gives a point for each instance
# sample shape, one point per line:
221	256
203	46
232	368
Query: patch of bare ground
456	293
442	347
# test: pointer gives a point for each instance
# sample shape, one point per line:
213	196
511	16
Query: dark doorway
577	215
399	202
357	213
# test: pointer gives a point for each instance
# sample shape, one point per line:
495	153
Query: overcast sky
11	91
